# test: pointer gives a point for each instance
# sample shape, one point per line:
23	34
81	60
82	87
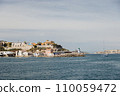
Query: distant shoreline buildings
108	52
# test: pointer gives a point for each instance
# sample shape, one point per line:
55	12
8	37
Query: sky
85	24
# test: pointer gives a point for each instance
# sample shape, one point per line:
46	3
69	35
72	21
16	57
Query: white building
112	51
49	52
20	45
109	52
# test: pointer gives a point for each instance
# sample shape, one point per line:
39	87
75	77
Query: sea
90	67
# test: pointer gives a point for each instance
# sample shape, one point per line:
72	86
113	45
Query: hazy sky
71	23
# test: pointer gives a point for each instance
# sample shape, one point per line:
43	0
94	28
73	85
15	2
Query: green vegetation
9	44
14	50
5	45
57	46
42	48
39	43
25	42
63	49
37	48
2	48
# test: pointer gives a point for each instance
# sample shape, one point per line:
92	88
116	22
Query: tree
63	49
57	46
35	46
53	42
14	49
2	48
5	44
39	43
25	42
9	44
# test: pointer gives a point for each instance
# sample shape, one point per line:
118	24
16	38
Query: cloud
33	13
61	20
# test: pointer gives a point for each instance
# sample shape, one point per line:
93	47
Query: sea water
90	67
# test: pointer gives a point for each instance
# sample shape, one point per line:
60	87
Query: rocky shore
70	55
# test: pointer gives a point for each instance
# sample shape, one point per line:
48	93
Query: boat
105	54
1	55
8	54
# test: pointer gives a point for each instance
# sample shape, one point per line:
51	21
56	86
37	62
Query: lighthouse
79	50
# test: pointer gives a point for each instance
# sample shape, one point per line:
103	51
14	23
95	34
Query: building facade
21	45
112	51
109	52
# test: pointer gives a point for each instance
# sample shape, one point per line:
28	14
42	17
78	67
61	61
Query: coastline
58	55
40	49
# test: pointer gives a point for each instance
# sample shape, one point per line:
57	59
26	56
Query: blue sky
71	23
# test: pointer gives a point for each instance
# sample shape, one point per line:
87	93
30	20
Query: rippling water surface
91	67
